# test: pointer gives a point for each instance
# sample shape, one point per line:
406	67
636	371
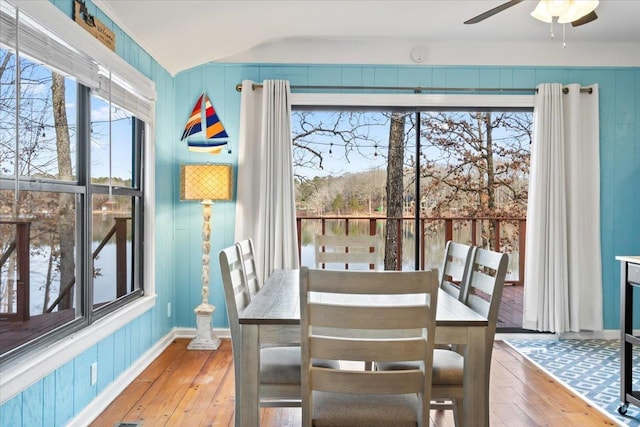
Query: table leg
248	411
476	379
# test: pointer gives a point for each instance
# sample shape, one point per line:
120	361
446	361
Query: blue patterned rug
589	367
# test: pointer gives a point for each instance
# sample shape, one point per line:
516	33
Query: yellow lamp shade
206	182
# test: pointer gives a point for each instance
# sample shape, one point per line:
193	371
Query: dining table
273	318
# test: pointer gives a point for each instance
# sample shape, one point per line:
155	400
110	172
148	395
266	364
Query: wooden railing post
121	256
399	242
20	245
299	233
372	232
474	232
522	243
23	231
422	244
448	229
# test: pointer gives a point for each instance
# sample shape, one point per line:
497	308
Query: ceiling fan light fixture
564	10
541	12
577	9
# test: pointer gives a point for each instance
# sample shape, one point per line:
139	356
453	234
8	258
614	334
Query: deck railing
488	232
120	230
21	244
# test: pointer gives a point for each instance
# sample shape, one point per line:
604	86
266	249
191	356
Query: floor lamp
207	183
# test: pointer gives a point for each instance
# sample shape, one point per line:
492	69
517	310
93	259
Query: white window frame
411	100
20	373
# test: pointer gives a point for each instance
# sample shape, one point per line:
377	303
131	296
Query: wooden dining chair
279	366
248	263
346	251
454	269
347	316
483	294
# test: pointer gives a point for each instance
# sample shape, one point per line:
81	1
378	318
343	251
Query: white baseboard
191	332
524	336
607	334
113	390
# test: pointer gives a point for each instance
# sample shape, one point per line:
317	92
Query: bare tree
66	201
471	158
395	188
341	134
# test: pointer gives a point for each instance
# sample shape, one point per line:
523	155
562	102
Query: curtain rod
416	89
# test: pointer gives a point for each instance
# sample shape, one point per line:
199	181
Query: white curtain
563	277
265	201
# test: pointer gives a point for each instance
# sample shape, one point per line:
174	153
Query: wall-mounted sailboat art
213	138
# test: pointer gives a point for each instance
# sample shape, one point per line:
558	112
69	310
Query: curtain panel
265	202
563	272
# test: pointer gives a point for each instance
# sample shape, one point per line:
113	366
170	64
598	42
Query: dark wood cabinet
630	281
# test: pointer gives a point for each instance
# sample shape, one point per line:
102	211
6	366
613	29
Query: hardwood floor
196	388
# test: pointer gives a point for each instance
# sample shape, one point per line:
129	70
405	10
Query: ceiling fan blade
490	13
591	16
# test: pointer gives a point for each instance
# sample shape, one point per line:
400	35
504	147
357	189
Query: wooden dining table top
278	303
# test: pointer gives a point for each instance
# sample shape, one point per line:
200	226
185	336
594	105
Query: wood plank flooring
196	388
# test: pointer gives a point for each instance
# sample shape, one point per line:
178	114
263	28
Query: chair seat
339	409
448	367
281	365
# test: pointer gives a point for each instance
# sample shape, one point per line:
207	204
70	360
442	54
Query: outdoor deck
510	315
15	333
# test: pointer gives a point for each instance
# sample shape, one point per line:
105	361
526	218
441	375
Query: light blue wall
61	395
619	150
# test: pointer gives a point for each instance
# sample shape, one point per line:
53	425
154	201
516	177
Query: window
461	175
72	138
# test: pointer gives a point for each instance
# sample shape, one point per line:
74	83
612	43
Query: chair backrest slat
484	286
355	350
248	260
346	250
454	269
360	317
483	282
388	382
378	282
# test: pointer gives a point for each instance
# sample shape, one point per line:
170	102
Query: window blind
64	46
123	95
43	47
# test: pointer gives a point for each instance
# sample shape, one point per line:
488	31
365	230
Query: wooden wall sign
92	25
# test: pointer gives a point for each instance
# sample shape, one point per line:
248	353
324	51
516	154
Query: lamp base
205	339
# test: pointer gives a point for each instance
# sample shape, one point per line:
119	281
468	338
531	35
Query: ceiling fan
577	12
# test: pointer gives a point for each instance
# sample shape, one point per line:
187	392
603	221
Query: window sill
25	371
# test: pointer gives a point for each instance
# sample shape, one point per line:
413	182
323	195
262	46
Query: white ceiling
182	34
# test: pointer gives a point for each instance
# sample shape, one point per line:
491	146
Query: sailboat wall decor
214	137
